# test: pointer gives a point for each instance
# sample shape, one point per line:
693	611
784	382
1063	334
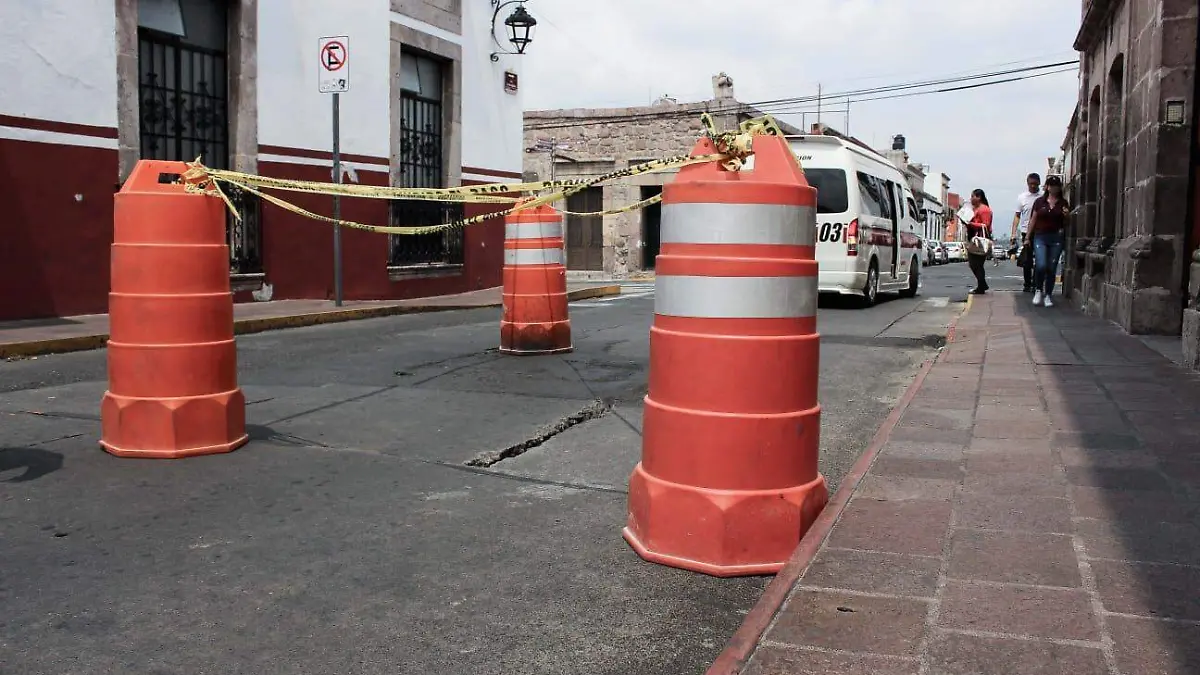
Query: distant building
929	188
937	189
954	231
589	142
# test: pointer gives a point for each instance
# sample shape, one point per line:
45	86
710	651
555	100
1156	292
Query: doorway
1193	234
585	234
651	227
895	200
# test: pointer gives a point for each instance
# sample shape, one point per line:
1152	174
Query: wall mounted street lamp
520	26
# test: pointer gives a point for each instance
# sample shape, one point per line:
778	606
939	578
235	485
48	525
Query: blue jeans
1047	249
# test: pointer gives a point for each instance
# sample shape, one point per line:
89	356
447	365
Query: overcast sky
620	53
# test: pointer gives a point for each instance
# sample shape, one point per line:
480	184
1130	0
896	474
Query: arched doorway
1112	164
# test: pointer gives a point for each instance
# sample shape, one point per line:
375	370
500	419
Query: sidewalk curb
81	343
742	645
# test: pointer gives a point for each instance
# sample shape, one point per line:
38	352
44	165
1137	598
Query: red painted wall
298	251
54	250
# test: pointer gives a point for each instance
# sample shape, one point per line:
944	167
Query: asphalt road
411	502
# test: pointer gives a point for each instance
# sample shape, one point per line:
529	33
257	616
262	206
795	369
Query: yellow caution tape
612	212
732	148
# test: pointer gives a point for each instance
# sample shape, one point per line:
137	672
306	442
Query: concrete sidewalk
79	333
1030	507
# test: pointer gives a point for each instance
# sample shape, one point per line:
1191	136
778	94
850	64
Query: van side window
873	199
912	208
886	190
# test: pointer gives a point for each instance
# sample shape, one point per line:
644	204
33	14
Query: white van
867	219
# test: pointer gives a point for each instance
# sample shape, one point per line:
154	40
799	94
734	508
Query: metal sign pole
337	202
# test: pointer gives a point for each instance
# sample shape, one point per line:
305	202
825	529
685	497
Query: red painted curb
741	646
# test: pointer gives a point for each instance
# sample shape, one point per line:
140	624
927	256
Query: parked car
955	251
941	257
930	248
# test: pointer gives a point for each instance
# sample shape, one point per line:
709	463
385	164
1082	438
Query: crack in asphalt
591	411
391	387
527	479
57	415
611	402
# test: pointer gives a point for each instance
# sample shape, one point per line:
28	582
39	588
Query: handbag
1025	257
979	246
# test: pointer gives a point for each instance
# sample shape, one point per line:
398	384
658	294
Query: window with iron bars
421	166
184	108
245	236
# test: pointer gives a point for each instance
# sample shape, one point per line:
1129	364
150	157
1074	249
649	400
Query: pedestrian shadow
260	433
35	462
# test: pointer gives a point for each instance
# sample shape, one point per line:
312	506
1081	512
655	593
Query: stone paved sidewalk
1035	510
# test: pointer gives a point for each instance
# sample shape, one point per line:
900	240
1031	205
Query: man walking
1020	223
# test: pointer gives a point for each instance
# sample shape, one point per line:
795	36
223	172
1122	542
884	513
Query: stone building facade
930	187
1133	163
588	142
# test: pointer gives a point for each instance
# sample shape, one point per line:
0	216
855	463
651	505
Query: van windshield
831	189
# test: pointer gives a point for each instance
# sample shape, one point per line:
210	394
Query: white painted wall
63	56
291	112
61	60
932	228
492	118
936	185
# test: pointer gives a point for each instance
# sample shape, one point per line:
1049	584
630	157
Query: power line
776	103
914	85
1029	59
784	104
784	110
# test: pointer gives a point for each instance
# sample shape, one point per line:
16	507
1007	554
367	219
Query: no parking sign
333	74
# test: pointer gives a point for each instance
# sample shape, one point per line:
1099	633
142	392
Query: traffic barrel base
746	532
173	428
172	358
728	481
534	292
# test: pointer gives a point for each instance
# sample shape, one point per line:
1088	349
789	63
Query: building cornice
1094	20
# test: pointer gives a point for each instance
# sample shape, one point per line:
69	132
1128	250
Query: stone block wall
598	141
1135	168
1191	318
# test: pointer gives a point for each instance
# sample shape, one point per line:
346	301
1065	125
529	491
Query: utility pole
818	103
847	115
337	200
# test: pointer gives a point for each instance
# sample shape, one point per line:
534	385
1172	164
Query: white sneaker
1047	302
1037	299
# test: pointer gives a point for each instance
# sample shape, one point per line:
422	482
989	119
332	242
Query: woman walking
1046	227
980	226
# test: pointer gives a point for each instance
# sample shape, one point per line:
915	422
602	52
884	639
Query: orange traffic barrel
728	481
534	295
172	360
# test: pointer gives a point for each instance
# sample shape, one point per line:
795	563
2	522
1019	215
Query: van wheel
871	289
914	280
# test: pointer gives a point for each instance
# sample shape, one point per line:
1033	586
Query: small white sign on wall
333	73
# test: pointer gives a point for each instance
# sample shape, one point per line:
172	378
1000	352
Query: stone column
1191	317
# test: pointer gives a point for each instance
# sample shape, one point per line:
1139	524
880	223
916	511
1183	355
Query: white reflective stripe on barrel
736	297
784	224
533	256
533	230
